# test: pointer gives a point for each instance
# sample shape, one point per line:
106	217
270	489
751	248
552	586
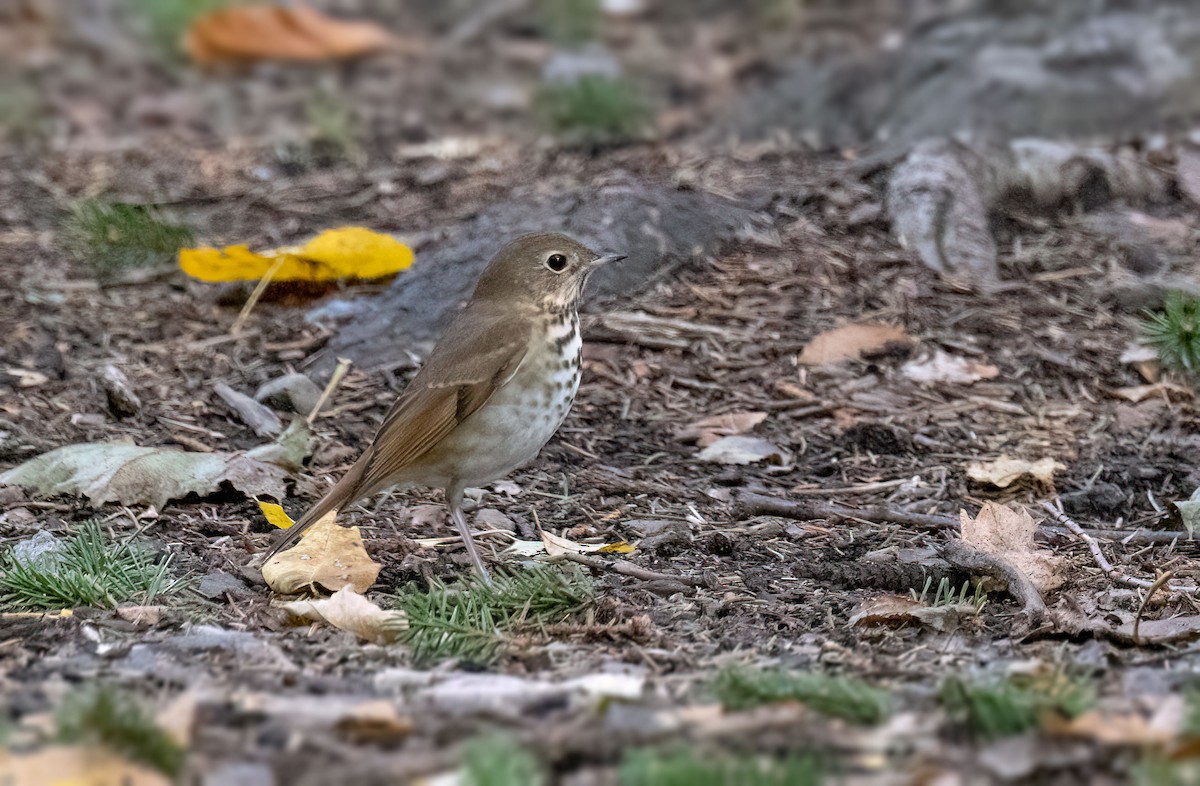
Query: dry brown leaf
250	33
140	615
327	557
1005	471
375	722
851	341
1112	729
1167	390
744	450
1007	533
350	611
76	766
899	609
708	430
945	368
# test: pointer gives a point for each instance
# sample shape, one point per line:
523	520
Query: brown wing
479	352
433	405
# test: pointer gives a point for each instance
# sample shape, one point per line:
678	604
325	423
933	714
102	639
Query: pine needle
1174	332
693	768
88	570
472	620
101	715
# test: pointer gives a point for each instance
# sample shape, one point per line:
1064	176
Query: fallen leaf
491	519
327	557
376	722
250	33
275	515
945	368
348	252
706	431
1166	390
1107	728
553	545
899	609
1005	471
1007	533
350	611
85	765
140	615
26	378
133	475
851	341
744	450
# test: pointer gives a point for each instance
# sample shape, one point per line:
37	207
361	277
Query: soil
762	590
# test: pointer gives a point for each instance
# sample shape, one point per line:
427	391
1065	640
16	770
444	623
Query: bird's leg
454	499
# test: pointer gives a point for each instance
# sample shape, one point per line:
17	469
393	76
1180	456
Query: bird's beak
605	259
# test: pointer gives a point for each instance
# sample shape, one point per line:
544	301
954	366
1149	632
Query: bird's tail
343	493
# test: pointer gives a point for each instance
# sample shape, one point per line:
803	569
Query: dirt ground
760	589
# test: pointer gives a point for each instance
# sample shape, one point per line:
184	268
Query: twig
627	568
259	289
339	373
968	558
1159	582
1102	562
750	504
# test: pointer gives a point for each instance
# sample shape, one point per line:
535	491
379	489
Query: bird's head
544	269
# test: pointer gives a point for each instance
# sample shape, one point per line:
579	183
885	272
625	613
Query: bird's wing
478	354
432	407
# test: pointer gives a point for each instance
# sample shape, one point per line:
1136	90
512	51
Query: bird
491	393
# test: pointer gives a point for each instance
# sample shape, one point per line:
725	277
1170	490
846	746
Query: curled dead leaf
350	611
944	368
1005	471
851	341
744	450
247	33
328	557
708	430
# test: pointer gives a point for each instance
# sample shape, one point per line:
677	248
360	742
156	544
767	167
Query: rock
658	227
259	418
42	549
498	695
218	584
667	541
1100	499
290	393
1073	68
571	65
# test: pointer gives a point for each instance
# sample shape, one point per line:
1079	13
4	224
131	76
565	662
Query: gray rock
1071	68
218	584
658	227
498	695
43	549
290	393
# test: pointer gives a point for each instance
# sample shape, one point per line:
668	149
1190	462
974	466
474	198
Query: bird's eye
557	263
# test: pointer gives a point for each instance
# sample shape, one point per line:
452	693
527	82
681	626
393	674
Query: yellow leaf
620	547
62	765
348	252
275	515
348	610
327	557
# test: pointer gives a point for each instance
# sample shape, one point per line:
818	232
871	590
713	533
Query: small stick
627	568
251	301
750	504
1159	582
339	373
1105	566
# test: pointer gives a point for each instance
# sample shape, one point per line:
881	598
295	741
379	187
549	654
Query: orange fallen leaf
851	341
250	33
347	252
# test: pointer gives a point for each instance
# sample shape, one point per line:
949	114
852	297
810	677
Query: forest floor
264	695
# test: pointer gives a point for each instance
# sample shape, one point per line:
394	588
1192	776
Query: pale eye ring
557	263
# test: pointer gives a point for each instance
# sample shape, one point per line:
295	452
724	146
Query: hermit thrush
493	391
